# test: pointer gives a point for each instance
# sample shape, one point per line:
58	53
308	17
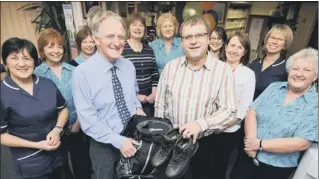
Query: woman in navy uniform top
33	114
271	67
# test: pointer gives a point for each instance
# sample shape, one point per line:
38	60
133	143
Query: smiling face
20	65
53	52
234	50
167	29
216	42
195	41
88	45
137	30
302	73
110	38
275	43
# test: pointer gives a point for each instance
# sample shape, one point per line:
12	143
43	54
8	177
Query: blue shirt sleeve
308	129
262	97
87	113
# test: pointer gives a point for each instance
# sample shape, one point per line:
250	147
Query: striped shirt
145	65
206	95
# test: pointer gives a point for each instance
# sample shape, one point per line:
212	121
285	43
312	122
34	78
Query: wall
262	8
307	17
16	23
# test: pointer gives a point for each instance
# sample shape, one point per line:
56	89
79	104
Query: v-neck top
31	117
275	72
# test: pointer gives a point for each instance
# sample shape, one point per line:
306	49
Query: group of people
201	81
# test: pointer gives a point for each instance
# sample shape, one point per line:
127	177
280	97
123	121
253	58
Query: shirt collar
308	96
207	64
80	59
7	81
279	61
106	64
64	65
238	66
175	42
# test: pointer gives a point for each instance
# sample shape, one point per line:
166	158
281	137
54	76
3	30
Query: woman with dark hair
217	41
33	114
237	50
85	46
50	44
142	56
271	67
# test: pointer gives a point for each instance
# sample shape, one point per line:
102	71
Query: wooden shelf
230	18
229	28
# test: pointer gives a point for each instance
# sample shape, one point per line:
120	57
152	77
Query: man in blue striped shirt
99	110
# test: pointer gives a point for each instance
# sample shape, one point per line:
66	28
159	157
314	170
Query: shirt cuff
138	105
117	140
203	124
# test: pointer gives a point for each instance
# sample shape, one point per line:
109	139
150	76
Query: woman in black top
271	67
33	114
142	56
85	46
217	42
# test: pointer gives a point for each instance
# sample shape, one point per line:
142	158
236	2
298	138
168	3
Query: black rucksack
148	132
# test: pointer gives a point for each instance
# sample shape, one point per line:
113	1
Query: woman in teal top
167	47
85	45
50	45
281	123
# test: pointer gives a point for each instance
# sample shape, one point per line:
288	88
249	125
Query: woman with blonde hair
271	67
167	47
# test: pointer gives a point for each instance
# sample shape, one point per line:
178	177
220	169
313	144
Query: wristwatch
60	128
260	146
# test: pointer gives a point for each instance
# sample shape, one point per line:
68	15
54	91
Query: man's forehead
200	28
111	25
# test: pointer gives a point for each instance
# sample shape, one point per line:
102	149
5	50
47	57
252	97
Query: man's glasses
197	36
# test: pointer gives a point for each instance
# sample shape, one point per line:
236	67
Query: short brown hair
81	35
244	41
193	21
166	16
49	36
132	19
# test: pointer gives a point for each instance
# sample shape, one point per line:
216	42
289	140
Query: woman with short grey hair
282	122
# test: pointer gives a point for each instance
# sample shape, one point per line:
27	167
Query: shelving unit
237	17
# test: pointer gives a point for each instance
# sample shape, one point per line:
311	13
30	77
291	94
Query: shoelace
177	160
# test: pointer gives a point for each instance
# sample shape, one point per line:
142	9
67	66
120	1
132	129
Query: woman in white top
237	51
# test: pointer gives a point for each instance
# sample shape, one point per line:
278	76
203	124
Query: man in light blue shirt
98	96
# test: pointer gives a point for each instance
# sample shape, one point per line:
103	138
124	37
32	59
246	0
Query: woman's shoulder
156	43
73	63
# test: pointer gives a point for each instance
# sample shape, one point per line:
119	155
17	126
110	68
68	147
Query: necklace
135	48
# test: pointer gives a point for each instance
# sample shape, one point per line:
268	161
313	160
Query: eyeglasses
215	39
197	36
